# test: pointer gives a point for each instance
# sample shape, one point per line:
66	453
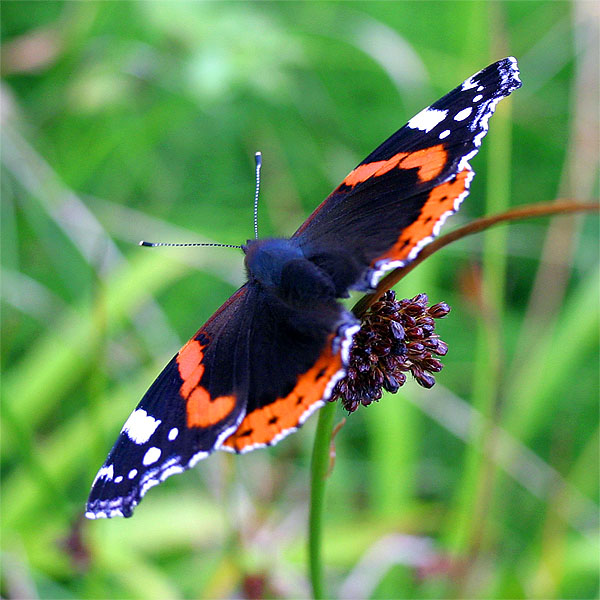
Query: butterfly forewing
396	200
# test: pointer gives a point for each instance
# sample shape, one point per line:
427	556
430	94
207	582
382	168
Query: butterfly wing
395	201
257	357
196	402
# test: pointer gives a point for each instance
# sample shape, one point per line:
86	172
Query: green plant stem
319	468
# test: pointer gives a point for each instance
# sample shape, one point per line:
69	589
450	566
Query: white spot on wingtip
153	476
106	472
477	98
148	483
468	84
444	134
151	456
119	479
173	434
427	119
463	114
101	514
171	471
140	426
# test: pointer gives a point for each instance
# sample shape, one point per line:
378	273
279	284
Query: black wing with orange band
395	201
186	413
249	377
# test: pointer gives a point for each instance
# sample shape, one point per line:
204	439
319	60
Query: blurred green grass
123	121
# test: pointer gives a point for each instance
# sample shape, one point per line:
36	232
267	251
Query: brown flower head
395	338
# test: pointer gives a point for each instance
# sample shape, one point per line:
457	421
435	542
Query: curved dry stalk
522	212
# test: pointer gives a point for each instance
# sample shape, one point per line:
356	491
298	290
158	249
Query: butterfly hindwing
301	353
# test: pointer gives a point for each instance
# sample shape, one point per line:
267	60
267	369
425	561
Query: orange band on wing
441	200
364	172
191	369
202	410
264	424
430	162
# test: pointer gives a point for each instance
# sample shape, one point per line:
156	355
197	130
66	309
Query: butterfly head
265	259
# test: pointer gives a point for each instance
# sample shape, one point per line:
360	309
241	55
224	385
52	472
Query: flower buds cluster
395	338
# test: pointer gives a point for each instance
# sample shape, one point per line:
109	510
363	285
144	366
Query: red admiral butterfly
272	354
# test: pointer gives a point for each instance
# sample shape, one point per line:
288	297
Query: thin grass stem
319	469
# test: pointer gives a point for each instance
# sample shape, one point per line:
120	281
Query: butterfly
272	354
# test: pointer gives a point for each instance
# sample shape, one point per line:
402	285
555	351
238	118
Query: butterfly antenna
258	162
155	244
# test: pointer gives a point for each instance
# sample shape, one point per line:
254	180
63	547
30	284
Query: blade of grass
318	474
519	462
586	463
532	396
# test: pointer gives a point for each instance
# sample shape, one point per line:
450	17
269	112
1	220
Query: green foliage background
123	121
